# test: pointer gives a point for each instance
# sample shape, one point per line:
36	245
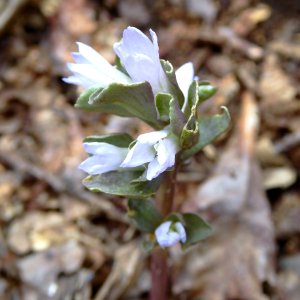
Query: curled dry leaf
282	177
246	22
275	85
237	259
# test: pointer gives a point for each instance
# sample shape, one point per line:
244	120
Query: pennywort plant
144	168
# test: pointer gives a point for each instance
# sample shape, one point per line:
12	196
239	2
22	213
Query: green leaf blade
209	129
146	216
196	229
125	100
121	184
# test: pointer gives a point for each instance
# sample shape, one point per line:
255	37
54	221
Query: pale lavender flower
140	57
169	234
185	76
105	157
92	69
157	148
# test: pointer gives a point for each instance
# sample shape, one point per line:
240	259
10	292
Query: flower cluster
143	86
140	58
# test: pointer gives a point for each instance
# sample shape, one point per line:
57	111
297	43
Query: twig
9	11
60	185
288	142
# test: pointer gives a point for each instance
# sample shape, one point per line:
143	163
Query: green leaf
206	90
190	133
132	100
169	110
120	67
173	86
162	103
121	140
177	118
192	99
209	129
120	184
147	218
196	229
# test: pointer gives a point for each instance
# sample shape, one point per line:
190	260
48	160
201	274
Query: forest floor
59	241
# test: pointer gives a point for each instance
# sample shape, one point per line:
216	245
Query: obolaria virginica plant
144	169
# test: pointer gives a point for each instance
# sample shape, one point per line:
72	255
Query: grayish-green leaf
209	129
177	118
132	100
162	103
206	90
146	216
122	140
120	184
173	86
196	229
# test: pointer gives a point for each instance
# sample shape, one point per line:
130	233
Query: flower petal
106	157
181	231
141	58
166	237
134	41
91	69
138	155
166	151
101	148
95	165
93	57
154	169
152	137
184	77
79	80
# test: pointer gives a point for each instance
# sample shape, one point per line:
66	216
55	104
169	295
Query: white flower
105	158
184	77
91	69
169	234
157	148
140	57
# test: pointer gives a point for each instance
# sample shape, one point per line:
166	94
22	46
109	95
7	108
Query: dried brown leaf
238	258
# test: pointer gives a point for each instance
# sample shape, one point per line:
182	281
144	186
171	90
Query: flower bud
169	234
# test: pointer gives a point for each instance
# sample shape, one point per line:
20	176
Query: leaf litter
58	241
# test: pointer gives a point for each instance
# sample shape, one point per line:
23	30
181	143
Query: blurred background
58	241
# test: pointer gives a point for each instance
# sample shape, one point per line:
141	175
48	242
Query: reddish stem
159	257
159	274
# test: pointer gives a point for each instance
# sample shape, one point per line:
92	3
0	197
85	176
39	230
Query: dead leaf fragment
238	258
38	231
274	84
286	215
246	22
41	270
282	177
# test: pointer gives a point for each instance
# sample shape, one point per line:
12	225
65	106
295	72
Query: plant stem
159	257
159	274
